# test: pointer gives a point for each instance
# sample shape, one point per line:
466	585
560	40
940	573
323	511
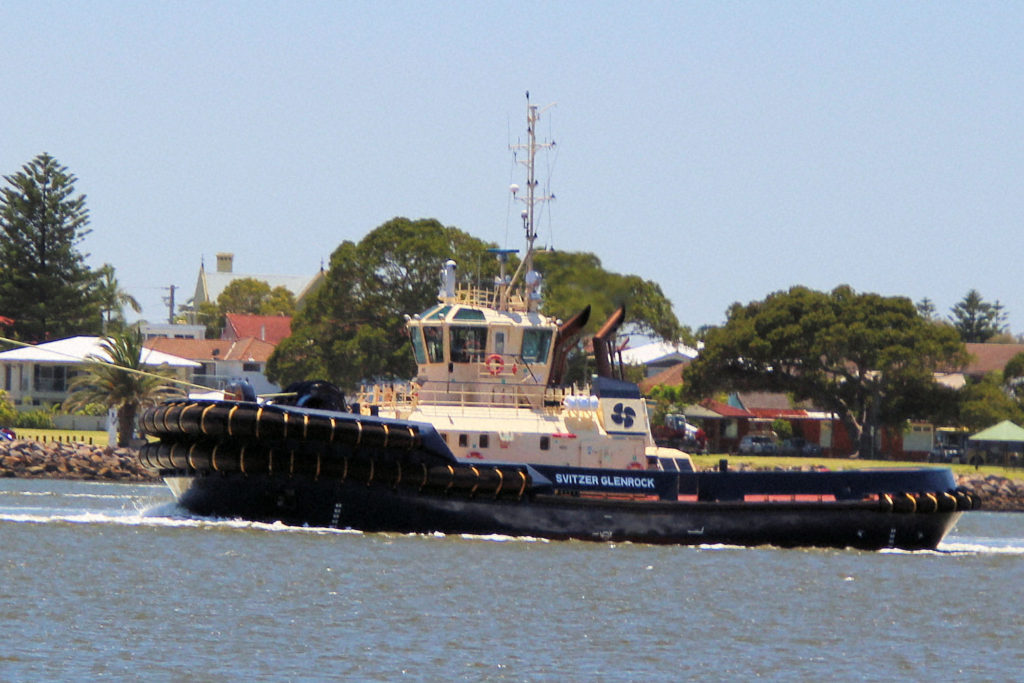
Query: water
113	581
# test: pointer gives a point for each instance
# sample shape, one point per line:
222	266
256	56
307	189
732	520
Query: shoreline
23	459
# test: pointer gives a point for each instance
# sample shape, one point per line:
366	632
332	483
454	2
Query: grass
711	461
63	435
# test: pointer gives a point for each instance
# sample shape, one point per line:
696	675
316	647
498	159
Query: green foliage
858	355
123	382
574	280
985	402
926	308
45	285
976	319
782	428
112	299
39	418
245	295
91	409
7	412
1014	369
353	327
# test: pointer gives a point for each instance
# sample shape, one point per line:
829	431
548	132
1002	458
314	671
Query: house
657	356
983	359
222	360
209	285
41	374
268	328
173	330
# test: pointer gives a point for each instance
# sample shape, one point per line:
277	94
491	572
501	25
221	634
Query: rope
97	359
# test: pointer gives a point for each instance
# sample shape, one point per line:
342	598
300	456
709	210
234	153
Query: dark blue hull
327	469
379	507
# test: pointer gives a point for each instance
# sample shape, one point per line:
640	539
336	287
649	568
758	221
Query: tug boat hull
381	508
300	466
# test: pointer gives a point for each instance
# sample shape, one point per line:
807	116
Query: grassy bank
759	461
63	436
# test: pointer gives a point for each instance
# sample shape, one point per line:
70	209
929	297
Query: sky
725	150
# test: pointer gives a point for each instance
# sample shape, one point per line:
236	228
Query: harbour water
113	581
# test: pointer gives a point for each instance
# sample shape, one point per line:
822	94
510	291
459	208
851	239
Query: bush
34	419
7	413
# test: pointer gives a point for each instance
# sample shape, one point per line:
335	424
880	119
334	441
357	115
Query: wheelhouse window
468	343
536	343
471	314
439	314
417	345
433	337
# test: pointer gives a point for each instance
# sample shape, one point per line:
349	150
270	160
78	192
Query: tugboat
489	439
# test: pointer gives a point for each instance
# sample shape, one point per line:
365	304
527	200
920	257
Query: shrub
7	413
35	419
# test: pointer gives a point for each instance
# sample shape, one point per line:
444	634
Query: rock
70	461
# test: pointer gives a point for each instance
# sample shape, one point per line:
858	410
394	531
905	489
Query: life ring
475	455
495	364
634	466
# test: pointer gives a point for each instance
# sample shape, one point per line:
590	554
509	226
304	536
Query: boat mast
532	197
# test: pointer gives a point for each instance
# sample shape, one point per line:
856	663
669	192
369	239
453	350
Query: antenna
531	198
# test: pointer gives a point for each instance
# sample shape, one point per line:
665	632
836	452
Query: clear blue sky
724	150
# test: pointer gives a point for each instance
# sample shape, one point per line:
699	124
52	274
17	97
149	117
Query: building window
50	378
250	367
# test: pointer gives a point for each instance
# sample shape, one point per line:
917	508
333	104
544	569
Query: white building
41	374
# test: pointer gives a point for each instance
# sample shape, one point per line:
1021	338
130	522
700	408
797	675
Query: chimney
263	333
225	262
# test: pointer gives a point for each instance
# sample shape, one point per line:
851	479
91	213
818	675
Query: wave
61	494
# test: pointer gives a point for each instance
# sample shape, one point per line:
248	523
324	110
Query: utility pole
170	306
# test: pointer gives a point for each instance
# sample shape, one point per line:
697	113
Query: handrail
405	395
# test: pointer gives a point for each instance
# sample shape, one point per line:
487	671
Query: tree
121	382
986	402
858	355
45	285
353	327
577	279
245	295
926	307
112	299
976	319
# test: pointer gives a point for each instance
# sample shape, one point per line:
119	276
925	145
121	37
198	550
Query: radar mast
530	199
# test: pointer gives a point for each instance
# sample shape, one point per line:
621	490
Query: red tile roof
268	328
671	376
248	349
987	358
725	410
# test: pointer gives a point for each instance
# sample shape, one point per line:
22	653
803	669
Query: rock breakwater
997	493
32	459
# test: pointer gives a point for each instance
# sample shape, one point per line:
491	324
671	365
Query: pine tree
45	285
976	319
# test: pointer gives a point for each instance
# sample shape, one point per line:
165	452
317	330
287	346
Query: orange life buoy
634	466
495	364
476	455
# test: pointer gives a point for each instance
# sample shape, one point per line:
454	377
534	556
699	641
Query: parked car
7	434
798	446
753	444
946	454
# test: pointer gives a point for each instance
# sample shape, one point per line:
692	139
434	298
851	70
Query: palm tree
121	382
112	298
